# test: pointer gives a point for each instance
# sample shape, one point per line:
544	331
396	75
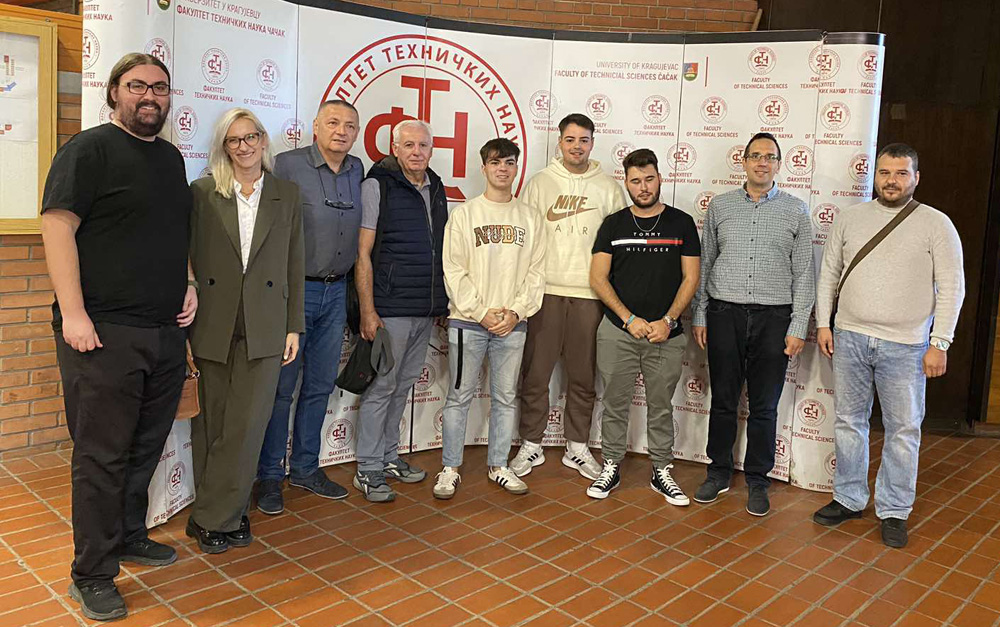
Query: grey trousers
382	404
620	357
236	402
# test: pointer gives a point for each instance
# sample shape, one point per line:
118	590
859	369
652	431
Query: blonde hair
221	168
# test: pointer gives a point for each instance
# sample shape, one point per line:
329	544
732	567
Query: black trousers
120	406
745	343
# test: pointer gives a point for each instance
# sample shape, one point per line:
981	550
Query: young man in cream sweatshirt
494	272
573	196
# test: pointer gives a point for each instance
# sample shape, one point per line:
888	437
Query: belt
330	278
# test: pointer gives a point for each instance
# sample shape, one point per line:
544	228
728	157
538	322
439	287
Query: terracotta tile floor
553	557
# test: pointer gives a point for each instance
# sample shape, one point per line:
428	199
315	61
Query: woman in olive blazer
247	256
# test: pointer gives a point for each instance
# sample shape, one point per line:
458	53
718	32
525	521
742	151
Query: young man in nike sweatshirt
573	196
494	272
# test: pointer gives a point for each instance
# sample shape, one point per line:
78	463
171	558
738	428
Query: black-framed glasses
333	204
250	139
756	156
139	88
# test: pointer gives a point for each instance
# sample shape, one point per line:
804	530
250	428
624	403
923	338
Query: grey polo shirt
371	201
331	233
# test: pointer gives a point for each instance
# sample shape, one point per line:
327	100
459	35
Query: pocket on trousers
717	306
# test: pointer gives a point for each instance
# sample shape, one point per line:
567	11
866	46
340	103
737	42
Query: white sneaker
528	456
447	482
506	479
663	483
579	458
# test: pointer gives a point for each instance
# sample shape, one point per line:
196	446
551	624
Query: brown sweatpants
564	327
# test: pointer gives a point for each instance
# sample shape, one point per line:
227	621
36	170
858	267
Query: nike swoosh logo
553	215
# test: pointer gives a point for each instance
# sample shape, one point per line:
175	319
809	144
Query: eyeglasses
251	140
333	204
140	88
756	156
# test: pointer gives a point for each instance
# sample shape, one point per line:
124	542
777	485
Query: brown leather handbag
190	405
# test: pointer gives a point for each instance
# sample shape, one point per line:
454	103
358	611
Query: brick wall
601	15
31	409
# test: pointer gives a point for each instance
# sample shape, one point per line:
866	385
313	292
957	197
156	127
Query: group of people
251	265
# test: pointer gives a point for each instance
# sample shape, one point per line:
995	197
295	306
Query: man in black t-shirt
115	219
645	270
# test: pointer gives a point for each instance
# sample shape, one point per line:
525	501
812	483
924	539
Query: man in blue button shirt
752	312
329	181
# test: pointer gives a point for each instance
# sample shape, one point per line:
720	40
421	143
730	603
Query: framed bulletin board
28	83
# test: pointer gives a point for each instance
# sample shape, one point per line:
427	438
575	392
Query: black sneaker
894	533
609	479
663	483
269	499
242	536
833	513
320	485
757	502
710	490
99	601
210	542
148	553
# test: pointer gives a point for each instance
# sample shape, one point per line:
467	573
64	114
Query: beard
653	199
905	194
142	126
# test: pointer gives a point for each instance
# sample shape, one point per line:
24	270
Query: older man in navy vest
401	289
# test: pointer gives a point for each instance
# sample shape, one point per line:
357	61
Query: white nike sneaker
579	457
447	482
506	479
528	456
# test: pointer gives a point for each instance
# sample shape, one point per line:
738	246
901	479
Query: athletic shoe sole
602	494
74	593
671	499
536	462
714	498
374	497
759	515
308	489
569	463
147	561
269	512
442	496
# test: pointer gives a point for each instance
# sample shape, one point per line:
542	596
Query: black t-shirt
134	203
646	259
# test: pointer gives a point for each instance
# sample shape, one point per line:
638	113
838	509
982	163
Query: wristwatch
941	345
671	322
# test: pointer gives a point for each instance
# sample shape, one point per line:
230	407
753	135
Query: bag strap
193	372
877	239
382	353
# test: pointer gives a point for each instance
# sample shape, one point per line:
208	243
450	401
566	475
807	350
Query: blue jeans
862	365
466	350
382	404
319	360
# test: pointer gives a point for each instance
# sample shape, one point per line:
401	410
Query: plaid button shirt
758	252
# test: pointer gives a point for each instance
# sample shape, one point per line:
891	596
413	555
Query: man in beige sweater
908	288
574	196
494	271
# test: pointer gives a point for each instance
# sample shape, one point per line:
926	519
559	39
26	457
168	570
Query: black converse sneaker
606	482
663	483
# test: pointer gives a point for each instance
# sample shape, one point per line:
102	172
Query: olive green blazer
273	287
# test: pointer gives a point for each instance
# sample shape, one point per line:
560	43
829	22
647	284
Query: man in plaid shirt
752	312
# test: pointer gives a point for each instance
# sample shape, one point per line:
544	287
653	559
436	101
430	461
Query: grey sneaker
710	490
757	502
372	484
401	471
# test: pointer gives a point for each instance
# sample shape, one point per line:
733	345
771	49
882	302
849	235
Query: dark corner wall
941	95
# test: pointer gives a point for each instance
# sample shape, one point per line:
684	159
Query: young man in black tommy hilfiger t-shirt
645	269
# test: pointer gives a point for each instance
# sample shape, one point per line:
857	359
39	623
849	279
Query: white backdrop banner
695	99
